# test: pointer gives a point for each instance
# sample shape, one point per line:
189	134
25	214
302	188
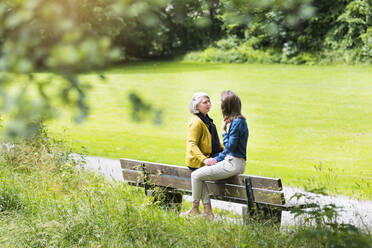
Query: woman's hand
210	161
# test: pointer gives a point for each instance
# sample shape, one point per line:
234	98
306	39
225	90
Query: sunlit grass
91	211
309	125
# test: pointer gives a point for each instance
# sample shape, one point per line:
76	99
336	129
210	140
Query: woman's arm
194	133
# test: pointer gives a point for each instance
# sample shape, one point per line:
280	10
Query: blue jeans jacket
235	140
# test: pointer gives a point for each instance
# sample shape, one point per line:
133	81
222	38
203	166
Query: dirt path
358	213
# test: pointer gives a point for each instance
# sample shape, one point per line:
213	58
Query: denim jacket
235	140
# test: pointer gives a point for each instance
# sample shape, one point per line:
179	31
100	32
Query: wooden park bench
263	196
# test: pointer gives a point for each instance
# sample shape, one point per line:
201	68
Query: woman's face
204	105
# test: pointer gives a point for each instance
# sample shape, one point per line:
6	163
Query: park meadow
309	125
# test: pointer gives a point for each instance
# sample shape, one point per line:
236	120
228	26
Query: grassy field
309	125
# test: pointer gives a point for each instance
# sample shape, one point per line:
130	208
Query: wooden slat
227	190
257	182
236	180
130	164
171	170
229	199
133	176
266	183
268	196
260	195
288	207
185	184
170	181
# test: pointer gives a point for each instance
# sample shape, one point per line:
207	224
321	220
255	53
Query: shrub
232	51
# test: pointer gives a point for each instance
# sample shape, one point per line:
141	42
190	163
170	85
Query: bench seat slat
288	207
230	199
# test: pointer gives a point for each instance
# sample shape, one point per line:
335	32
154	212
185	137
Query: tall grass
48	201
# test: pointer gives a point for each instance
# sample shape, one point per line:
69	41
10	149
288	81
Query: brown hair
231	106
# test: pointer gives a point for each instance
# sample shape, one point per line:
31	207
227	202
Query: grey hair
195	100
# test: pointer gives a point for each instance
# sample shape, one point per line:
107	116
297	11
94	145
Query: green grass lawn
309	125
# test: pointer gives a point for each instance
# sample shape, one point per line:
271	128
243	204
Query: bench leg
275	215
166	199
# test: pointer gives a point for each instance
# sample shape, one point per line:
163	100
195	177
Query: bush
225	52
234	51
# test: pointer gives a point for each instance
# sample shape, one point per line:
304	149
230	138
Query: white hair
195	100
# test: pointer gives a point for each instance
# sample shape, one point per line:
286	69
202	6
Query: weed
10	196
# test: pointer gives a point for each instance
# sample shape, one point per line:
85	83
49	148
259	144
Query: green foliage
41	34
45	35
271	21
351	31
304	32
181	26
141	110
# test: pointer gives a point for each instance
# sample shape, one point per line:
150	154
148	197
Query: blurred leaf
142	110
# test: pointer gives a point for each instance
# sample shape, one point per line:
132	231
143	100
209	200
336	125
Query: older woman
228	163
202	139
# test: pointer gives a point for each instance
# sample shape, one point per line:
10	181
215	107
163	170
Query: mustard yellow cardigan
198	142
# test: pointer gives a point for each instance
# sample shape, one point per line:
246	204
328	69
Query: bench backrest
264	190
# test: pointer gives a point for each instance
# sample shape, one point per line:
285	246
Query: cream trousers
228	167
